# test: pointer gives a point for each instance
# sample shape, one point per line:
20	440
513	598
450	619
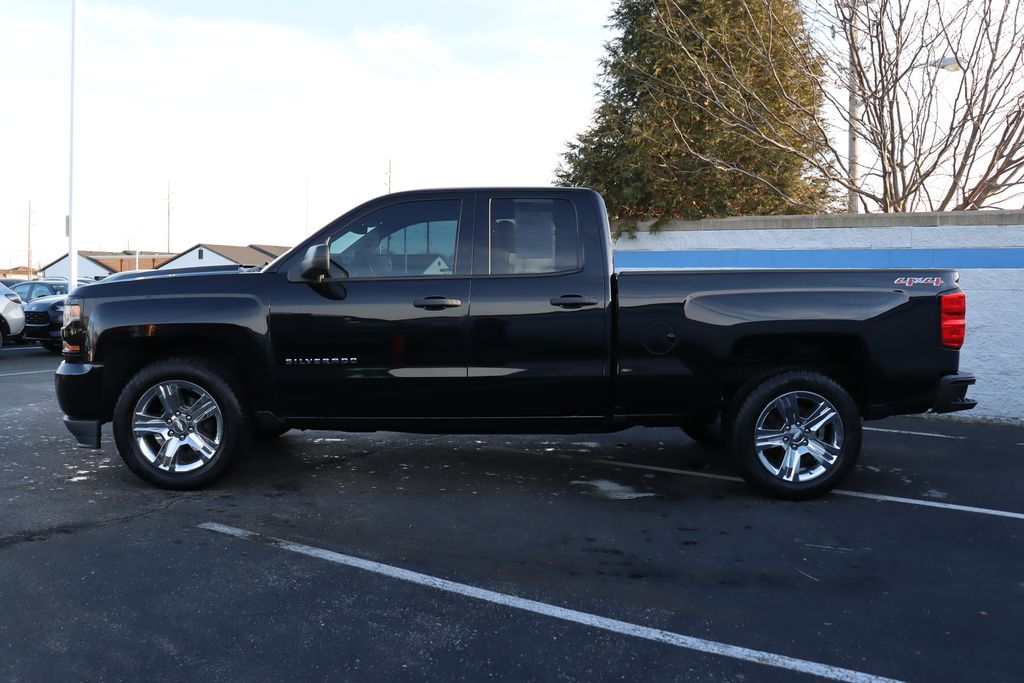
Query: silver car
12	316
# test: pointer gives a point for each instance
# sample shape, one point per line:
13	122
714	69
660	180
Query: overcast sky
238	103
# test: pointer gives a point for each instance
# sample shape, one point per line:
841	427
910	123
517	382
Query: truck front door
385	336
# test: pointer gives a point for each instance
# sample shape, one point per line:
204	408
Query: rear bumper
79	391
952	394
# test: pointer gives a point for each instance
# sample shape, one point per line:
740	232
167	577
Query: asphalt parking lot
634	555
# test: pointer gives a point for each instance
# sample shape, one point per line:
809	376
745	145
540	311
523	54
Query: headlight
72	312
71	332
58	307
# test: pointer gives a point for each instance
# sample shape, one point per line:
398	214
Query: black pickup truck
499	311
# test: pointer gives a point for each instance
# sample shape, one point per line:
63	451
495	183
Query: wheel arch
123	355
842	357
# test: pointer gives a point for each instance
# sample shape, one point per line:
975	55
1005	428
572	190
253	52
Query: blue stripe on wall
824	258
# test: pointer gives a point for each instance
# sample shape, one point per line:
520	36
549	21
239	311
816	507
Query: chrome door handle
437	303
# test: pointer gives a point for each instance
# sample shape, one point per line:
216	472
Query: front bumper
86	432
41	335
952	394
79	393
39	329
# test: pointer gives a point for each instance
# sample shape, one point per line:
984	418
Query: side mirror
315	264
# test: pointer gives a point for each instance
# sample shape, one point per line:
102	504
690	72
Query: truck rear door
539	322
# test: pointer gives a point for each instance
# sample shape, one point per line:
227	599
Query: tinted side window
412	239
533	236
22	291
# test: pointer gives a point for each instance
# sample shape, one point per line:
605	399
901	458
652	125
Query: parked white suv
12	316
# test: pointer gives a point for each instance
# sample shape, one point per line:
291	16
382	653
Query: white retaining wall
994	349
986	247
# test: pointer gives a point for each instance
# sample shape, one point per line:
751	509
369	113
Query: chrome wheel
799	436
177	426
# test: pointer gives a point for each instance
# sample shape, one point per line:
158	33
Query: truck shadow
623	466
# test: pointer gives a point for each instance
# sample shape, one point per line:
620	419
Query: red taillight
953	321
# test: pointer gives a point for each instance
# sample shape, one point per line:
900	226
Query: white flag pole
72	248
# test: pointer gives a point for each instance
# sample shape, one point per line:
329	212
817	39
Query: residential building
225	254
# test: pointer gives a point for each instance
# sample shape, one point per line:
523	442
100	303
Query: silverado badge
334	360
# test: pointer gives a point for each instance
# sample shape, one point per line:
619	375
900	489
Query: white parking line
838	492
30	372
901	431
593	620
655	468
22	348
930	504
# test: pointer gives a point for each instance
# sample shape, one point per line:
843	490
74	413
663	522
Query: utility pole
29	255
168	216
853	113
389	176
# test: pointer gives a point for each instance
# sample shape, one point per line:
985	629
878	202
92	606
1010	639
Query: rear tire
796	435
179	423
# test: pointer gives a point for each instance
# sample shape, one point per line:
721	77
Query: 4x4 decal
911	281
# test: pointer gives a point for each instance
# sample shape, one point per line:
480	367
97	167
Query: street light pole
168	216
72	247
29	255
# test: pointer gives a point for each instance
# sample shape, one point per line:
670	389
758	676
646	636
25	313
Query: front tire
53	347
179	423
796	435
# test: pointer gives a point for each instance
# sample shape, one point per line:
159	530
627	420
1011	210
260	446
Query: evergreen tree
650	147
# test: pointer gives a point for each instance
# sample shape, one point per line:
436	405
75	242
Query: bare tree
933	90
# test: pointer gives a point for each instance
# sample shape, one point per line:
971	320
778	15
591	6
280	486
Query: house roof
94	256
250	255
271	249
90	255
18	270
